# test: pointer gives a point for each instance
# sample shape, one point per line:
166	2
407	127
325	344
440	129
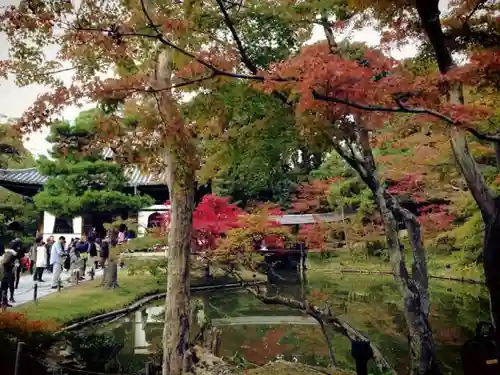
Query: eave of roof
31	176
306	218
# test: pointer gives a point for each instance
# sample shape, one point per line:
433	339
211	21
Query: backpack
481	355
67	262
92	249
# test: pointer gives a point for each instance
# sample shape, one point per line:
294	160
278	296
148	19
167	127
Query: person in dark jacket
82	248
93	253
104	253
8	272
21	253
48	246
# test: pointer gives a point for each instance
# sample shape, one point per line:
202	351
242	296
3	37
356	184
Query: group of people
51	256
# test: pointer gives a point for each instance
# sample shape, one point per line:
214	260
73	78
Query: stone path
25	292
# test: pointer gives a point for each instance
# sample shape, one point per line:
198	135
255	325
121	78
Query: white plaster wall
144	214
49	221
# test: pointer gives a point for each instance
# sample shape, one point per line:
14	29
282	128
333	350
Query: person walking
32	257
4	281
19	264
8	271
40	259
56	261
48	249
82	248
104	253
93	253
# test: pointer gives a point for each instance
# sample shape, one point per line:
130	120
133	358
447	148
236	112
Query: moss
469	238
443	243
287	368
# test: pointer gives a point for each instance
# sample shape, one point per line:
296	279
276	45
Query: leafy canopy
80	182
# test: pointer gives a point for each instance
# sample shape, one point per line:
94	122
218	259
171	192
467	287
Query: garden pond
254	333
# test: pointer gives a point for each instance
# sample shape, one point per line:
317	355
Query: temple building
28	182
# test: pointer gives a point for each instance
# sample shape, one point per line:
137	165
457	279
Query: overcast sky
15	100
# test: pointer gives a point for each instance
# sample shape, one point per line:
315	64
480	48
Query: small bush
444	243
375	248
469	238
322	255
37	335
96	350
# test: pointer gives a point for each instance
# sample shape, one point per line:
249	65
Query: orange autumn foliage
36	334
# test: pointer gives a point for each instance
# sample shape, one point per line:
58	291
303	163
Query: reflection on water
260	332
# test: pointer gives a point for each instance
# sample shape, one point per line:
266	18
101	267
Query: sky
15	100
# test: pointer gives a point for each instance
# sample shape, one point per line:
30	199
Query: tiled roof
307	218
31	176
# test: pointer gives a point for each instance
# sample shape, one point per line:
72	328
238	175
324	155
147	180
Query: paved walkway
25	292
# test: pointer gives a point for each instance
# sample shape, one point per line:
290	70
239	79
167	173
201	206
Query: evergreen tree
18	216
80	180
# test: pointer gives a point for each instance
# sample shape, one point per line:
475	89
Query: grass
89	299
438	265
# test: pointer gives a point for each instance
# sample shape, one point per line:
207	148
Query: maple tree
213	217
159	50
472	28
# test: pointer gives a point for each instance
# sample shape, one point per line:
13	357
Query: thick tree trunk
491	264
176	329
181	161
428	12
110	278
414	287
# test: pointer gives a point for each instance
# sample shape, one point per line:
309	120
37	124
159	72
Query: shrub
96	350
444	243
38	335
322	255
469	238
375	248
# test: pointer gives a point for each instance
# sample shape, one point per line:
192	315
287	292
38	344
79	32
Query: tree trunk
110	278
414	287
176	329
491	264
484	197
180	158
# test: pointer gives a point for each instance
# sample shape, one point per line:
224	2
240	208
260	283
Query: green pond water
258	332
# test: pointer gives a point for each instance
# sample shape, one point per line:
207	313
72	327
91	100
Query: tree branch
327	317
401	108
230	25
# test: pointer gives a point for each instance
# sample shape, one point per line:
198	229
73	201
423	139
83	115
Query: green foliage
56	200
250	139
322	255
94	350
468	238
13	154
155	267
146	243
80	183
18	216
74	140
281	39
350	192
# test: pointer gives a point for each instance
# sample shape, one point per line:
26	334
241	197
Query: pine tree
80	181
